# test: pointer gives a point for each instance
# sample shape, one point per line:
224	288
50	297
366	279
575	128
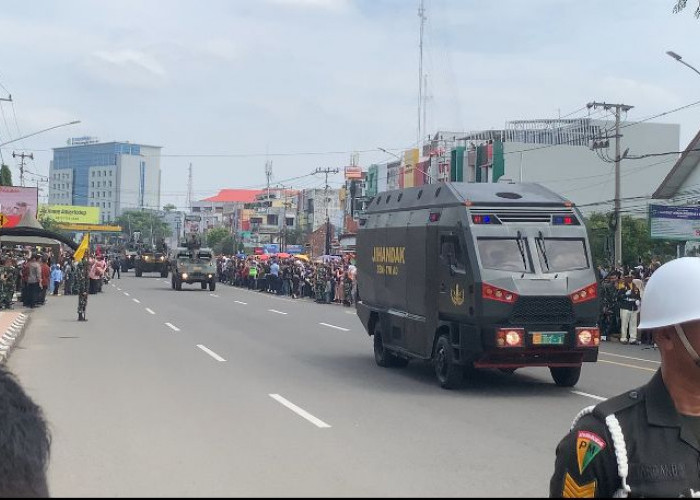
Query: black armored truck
477	275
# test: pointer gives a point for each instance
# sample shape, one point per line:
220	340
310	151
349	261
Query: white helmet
671	295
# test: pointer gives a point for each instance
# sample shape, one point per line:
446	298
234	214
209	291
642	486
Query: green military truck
149	261
193	265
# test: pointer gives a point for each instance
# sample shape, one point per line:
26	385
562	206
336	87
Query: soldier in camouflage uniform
82	283
347	289
320	279
8	277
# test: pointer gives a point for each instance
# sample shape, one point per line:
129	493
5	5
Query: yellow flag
80	252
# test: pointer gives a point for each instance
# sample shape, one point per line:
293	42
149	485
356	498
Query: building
114	176
226	201
314	204
270	218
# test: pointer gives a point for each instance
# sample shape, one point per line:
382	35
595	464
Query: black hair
25	441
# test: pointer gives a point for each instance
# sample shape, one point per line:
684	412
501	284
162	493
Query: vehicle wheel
138	273
125	269
172	283
565	376
212	285
178	285
164	274
382	356
448	373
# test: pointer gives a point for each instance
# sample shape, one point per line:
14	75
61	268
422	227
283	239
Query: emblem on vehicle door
457	295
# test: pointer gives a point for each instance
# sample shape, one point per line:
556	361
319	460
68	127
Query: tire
382	356
138	273
125	269
164	274
172	283
204	285
448	373
565	376
178	285
212	285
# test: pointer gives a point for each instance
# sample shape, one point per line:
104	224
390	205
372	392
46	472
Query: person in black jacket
645	442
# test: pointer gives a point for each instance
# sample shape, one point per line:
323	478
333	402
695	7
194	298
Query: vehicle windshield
558	254
504	254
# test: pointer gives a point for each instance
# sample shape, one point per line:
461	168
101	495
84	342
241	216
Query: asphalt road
238	393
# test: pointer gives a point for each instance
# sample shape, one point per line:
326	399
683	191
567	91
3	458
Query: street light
680	60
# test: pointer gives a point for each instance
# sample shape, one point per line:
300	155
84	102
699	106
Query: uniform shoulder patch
574	490
588	445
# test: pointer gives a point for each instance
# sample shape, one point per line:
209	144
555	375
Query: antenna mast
423	18
189	189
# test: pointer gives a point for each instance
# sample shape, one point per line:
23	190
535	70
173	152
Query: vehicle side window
451	251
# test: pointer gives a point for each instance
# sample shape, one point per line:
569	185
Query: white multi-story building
114	176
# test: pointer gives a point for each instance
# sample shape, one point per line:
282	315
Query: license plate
198	269
548	338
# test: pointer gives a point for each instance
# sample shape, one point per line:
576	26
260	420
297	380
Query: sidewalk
12	325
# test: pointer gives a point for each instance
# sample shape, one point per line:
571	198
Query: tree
169	207
227	246
148	223
216	235
5	176
681	4
47	222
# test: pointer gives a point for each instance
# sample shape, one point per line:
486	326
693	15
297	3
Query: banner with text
15	201
675	222
69	214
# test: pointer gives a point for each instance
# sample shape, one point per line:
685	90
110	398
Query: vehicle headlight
162	258
184	276
146	257
210	275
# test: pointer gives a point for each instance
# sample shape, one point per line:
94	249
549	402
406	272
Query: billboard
15	201
69	214
674	222
353	173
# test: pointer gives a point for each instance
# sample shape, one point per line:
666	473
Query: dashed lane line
627	365
336	327
630	357
126	293
242	303
213	295
300	411
211	353
592	396
136	300
172	327
150	311
277	312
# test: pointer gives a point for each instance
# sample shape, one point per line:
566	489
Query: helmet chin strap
686	344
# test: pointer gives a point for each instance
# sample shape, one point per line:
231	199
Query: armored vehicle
128	260
149	261
478	275
193	265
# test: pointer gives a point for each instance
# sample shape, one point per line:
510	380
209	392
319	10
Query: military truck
477	275
193	265
128	259
151	261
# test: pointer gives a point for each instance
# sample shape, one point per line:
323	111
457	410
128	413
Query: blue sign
294	249
675	222
272	248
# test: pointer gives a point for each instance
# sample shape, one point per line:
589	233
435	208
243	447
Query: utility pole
423	18
21	164
619	109
189	189
327	171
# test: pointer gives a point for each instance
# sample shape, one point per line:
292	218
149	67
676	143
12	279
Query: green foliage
226	246
636	241
5	176
681	4
147	222
216	235
169	207
48	223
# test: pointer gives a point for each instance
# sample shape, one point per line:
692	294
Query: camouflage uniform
320	279
347	289
82	285
8	277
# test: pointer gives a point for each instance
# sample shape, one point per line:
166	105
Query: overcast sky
246	78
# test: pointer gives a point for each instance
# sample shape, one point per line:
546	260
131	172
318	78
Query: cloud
126	67
328	5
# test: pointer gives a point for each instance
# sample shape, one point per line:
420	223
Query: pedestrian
33	288
629	300
82	282
45	279
116	267
8	278
25	442
56	278
69	277
645	442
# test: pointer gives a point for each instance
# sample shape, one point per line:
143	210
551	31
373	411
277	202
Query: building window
92	184
271	220
110	182
289	221
109	204
93	173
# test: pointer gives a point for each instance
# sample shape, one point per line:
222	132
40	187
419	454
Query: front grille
543	310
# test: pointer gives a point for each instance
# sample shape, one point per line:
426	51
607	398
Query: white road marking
592	396
150	311
166	281
629	357
627	365
119	289
350	312
242	303
299	411
170	325
336	327
276	311
136	300
125	293
213	295
211	353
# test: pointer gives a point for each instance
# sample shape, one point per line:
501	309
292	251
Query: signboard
353	173
272	248
194	218
92	227
258	250
69	214
15	201
82	141
675	222
294	249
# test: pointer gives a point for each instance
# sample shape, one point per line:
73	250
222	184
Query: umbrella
302	257
283	255
263	256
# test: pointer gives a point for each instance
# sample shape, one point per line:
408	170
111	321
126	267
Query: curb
12	336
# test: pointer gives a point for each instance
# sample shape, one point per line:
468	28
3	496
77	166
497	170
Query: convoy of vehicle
478	275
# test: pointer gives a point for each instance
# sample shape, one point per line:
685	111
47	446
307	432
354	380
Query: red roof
235	195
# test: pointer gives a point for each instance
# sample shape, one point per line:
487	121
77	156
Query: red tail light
585	294
587	337
510	337
491	292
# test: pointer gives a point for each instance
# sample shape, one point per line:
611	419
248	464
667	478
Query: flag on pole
80	252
